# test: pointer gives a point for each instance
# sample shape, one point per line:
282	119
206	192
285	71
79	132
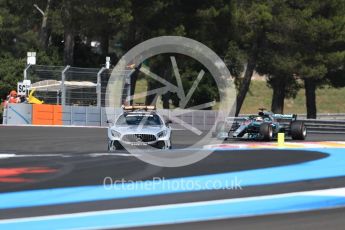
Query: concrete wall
88	115
97	116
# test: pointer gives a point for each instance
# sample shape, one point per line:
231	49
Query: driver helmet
259	119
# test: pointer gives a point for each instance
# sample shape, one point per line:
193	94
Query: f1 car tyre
298	130
266	131
114	145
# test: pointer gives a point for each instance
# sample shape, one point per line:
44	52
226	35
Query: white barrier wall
88	115
97	116
21	114
17	114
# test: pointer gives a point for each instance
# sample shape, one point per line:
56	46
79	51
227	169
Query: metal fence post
86	115
58	97
71	120
98	89
204	119
193	118
101	119
4	116
63	88
26	72
128	91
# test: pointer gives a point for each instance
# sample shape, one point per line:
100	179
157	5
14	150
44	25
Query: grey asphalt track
70	151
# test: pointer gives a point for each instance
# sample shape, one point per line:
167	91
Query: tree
77	23
252	20
320	35
16	38
45	28
207	22
11	71
294	43
278	58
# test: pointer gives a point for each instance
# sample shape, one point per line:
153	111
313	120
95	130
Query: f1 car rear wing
285	117
277	117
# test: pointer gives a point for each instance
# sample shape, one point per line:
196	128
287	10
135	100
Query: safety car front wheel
162	145
113	146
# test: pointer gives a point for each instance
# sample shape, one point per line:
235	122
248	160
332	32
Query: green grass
329	100
259	96
140	87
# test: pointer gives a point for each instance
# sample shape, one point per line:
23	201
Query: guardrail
202	120
326	116
320	116
317	125
325	126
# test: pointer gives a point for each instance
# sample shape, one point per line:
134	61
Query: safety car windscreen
139	119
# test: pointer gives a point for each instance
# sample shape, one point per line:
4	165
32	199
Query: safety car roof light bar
138	107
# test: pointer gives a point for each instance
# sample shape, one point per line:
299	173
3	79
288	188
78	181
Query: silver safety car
139	126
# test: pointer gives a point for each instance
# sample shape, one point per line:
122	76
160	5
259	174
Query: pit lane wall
27	114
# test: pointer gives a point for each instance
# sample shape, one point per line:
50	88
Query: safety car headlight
115	133
162	134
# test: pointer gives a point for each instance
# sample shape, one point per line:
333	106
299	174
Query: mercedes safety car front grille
139	138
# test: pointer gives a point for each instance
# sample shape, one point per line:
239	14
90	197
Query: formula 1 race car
139	125
264	126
